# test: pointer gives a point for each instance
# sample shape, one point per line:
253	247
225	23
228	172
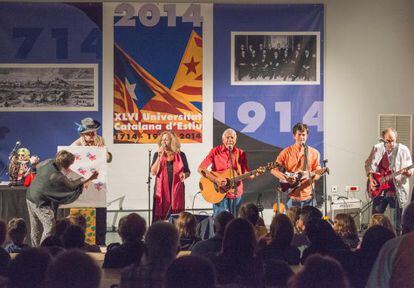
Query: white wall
369	62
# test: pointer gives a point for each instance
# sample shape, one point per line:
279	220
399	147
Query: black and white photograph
275	58
48	87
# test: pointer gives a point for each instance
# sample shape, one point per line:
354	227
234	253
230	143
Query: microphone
163	146
230	147
382	140
16	146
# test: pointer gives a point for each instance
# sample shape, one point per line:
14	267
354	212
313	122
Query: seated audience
161	242
213	245
186	224
250	212
394	264
277	273
80	220
73	269
131	229
307	213
323	239
344	226
28	268
60	227
4	256
17	232
319	272
382	220
372	242
294	213
190	272
279	248
51	241
74	238
237	263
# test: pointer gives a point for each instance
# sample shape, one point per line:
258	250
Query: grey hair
228	131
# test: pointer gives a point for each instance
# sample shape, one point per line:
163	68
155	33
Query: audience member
17	232
4	256
28	268
281	231
80	220
59	227
189	272
344	227
372	242
250	212
294	213
51	241
161	243
307	213
131	229
213	245
393	266
237	263
186	224
319	272
382	220
74	237
323	239
277	273
73	269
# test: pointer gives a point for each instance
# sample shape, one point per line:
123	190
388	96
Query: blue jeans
227	204
296	203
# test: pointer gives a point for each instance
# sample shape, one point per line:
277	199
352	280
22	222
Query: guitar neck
395	174
244	176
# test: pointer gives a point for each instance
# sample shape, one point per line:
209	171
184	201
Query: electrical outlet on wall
334	188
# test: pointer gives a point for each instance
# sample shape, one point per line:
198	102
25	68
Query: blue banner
50	74
268	71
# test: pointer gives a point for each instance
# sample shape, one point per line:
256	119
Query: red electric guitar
383	181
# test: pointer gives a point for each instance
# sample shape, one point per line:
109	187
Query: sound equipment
341	204
213	193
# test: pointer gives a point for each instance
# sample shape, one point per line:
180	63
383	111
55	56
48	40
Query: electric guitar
383	181
213	193
302	180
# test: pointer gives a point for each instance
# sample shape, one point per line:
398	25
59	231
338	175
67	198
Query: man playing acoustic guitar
300	163
388	169
221	158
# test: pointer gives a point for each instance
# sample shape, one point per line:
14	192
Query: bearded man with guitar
298	168
228	168
388	168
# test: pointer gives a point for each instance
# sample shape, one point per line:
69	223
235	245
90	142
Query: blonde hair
380	220
175	142
24	151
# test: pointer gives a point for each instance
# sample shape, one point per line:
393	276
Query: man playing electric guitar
221	158
296	158
387	156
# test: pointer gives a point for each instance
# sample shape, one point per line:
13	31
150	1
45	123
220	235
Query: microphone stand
325	195
149	186
233	183
17	145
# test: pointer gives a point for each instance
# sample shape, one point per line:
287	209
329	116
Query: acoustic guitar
213	193
302	180
383	180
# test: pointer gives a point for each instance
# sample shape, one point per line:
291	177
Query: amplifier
346	205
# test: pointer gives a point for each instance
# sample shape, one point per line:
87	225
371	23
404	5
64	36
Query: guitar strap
305	160
393	157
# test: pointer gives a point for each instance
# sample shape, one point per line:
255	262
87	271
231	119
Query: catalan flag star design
131	88
191	66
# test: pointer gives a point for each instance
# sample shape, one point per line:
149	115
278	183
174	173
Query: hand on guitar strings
407	172
222	182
